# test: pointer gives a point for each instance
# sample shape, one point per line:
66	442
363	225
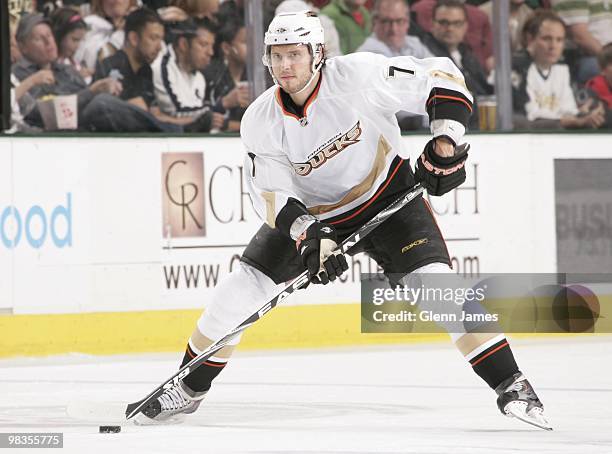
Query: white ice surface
408	399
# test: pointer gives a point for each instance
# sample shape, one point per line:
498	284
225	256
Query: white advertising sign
116	224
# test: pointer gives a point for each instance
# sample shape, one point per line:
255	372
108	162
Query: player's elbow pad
446	104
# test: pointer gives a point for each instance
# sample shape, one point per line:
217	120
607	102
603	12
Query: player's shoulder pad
357	67
259	117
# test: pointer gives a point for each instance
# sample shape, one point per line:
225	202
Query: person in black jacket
446	40
227	88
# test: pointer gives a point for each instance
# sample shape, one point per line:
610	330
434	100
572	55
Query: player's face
449	26
201	49
547	46
391	23
291	66
150	41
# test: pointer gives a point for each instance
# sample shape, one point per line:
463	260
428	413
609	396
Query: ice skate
516	398
171	406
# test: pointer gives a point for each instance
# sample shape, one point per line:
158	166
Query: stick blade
130	410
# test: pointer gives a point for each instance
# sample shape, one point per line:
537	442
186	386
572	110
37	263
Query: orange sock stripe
208	363
505	344
190	352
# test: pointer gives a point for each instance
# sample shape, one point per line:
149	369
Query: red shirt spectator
479	36
602	87
602	83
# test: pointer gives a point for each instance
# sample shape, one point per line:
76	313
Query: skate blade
535	418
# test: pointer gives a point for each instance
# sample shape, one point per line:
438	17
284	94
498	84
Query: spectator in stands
130	111
180	87
39	74
79	6
478	36
69	29
601	84
447	40
391	21
332	40
233	9
144	33
198	9
155	4
590	27
519	13
227	88
352	20
105	35
542	91
181	10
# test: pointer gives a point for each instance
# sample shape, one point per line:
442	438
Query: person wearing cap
40	74
180	87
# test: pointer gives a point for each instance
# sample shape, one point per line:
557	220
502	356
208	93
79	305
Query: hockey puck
110	429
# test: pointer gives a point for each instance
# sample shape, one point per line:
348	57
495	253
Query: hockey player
324	155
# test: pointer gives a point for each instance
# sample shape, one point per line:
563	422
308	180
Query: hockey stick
299	282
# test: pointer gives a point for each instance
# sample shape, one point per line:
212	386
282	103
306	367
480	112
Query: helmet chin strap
314	74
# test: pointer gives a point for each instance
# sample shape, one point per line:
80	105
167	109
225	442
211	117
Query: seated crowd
180	65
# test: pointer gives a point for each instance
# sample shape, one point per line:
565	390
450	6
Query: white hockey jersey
337	155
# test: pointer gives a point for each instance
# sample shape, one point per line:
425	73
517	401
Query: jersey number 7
394	71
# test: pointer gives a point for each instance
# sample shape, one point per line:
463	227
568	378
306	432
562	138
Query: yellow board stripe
108	333
105	333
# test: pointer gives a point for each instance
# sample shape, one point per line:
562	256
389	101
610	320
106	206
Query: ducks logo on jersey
329	150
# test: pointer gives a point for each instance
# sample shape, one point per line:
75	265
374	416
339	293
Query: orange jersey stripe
282	106
369	202
309	101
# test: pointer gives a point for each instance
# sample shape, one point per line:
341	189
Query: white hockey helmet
302	27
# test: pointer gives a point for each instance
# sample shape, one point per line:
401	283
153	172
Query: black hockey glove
438	174
316	247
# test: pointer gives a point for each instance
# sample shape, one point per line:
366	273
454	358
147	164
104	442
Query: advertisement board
583	199
148	224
